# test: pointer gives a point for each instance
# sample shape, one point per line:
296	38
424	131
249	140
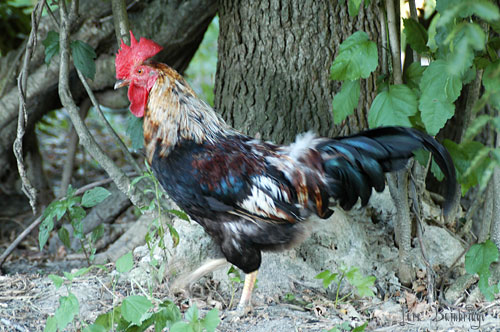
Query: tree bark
273	71
180	29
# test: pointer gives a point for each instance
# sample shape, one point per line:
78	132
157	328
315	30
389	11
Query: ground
288	297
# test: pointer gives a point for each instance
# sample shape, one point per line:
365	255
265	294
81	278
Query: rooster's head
133	70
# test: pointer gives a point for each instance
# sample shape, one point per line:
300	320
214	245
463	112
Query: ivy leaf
51	43
346	100
94	196
357	58
416	35
439	91
353	7
135	131
135	309
83	57
393	107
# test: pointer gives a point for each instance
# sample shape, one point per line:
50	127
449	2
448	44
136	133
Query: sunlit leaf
393	107
357	58
94	196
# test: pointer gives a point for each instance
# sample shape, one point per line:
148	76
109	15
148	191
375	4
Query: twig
116	138
86	139
430	271
394	42
72	148
51	13
120	19
22	120
19	238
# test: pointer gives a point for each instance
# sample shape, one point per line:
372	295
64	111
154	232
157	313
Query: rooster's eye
139	71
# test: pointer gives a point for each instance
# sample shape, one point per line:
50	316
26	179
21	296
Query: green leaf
439	91
57	280
181	327
416	35
47	224
173	234
97	233
135	131
435	112
64	237
211	320
393	107
95	328
191	314
51	43
346	100
180	214
353	7
491	77
50	325
135	309
480	256
327	277
413	75
467	38
360	328
125	263
357	58
94	196
476	126
485	9
68	308
83	57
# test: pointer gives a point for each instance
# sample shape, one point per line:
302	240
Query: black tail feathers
357	163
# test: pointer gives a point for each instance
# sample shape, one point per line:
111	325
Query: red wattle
138	97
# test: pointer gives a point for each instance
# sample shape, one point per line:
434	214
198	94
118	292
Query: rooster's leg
246	295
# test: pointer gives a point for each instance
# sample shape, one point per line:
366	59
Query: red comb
130	56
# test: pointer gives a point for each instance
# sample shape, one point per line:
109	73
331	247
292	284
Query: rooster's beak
121	84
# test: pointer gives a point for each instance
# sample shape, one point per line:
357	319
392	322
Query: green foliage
135	131
393	107
51	43
360	283
234	280
346	327
15	24
72	207
416	35
457	43
125	263
478	260
69	307
83	53
346	100
357	58
83	58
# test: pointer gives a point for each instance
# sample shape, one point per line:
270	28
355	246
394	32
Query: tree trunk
273	72
183	27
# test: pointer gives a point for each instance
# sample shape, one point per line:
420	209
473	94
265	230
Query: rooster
249	195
